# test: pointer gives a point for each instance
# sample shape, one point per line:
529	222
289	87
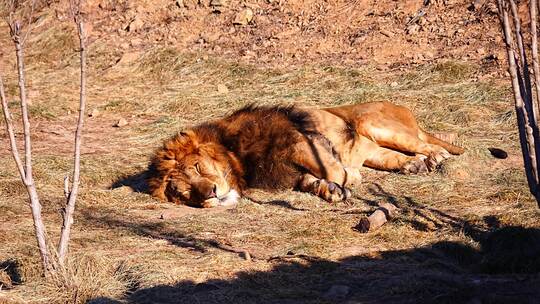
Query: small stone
498	153
337	292
210	37
413	29
394	84
222	89
218	5
244	17
135	42
121	123
94	113
481	51
128	58
135	25
387	33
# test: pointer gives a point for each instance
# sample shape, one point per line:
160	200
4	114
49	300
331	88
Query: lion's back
264	139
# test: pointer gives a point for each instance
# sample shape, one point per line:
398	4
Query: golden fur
314	150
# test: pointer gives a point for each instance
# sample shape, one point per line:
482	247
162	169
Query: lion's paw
417	165
330	192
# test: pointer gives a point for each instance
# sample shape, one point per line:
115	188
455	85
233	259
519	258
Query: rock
387	33
337	292
120	123
481	51
394	84
189	4
136	24
476	5
244	17
128	57
135	42
222	89
422	22
498	153
210	37
429	55
413	29
94	113
218	5
492	8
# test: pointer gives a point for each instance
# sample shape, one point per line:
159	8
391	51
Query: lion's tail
435	140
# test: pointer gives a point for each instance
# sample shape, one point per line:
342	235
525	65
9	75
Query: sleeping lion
319	151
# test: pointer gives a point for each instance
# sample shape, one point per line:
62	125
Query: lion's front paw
330	192
415	166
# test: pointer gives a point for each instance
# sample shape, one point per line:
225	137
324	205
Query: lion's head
195	170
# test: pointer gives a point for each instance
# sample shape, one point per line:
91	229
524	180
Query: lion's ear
180	145
185	138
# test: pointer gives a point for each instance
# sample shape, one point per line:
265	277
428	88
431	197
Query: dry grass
430	250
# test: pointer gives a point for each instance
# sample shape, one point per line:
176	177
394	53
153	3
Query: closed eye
197	168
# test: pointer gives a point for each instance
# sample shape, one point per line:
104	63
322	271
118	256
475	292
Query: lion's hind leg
408	142
327	190
390	160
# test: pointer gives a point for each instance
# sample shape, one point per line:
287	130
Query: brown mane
255	140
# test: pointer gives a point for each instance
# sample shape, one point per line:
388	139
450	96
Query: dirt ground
468	233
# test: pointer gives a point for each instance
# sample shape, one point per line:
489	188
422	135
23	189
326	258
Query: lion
319	151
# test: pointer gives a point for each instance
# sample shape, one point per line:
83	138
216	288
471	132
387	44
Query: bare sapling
16	33
50	258
522	85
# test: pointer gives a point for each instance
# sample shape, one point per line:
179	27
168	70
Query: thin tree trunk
526	135
72	196
528	101
534	48
28	179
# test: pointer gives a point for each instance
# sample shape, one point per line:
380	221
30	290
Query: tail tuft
440	141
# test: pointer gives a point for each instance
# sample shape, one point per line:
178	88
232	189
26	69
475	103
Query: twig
66	187
378	218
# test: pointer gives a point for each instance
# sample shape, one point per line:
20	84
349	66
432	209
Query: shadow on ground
504	268
137	182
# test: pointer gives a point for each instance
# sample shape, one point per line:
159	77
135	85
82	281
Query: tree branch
10	130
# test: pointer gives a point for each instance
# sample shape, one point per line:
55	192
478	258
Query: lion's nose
212	192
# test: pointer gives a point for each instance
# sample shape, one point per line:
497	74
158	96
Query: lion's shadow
137	182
